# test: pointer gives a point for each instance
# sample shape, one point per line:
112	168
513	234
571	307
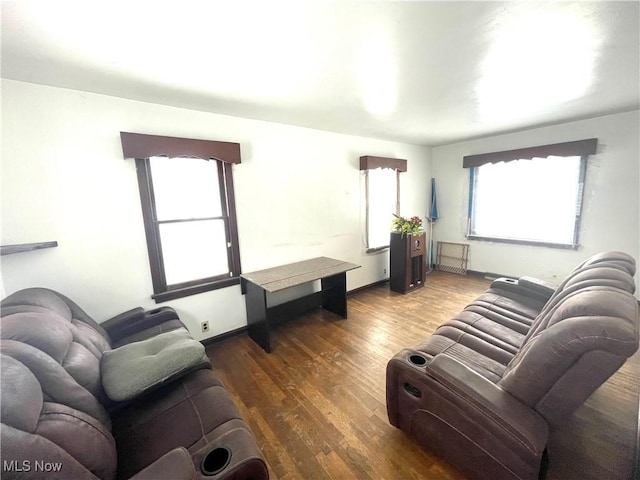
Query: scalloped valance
369	162
138	145
578	148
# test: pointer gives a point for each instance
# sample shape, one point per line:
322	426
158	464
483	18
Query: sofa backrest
585	332
622	260
51	426
57	327
614	269
52	396
38	299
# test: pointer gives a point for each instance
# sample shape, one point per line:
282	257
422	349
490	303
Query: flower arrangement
412	226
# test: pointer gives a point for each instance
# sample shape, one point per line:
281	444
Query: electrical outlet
384	272
204	326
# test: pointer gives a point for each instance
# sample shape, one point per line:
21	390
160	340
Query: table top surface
298	273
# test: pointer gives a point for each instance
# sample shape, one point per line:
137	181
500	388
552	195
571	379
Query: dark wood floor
317	403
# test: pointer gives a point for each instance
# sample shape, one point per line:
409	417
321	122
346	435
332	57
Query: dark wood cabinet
407	262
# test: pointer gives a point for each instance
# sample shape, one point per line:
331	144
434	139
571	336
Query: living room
298	189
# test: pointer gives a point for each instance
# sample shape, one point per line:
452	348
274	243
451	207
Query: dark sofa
486	387
132	397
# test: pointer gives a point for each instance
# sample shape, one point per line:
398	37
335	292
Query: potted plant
404	226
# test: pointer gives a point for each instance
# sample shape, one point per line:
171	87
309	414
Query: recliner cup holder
215	461
418	360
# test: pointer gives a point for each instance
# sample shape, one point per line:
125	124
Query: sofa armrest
136	320
174	465
486	398
464	417
525	286
537	285
130	316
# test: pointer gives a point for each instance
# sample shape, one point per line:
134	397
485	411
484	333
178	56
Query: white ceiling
429	73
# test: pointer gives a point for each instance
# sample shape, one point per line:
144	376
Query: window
382	192
382	202
189	216
531	200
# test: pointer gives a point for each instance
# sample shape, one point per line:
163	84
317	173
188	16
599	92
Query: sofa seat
485	336
189	412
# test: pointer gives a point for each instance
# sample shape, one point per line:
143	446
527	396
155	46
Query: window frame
576	148
142	147
367	211
576	232
369	162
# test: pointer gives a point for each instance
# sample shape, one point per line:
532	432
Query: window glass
185	188
537	200
193	250
382	203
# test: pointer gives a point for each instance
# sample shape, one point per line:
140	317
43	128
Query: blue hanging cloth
433	218
433	211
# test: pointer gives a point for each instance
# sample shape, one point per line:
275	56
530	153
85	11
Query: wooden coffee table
257	285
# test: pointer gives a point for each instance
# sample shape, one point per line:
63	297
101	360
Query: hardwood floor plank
317	403
335	466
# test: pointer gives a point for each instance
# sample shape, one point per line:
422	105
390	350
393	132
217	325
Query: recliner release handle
411	390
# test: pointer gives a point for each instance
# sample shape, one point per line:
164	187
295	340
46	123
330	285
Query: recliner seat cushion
182	413
131	369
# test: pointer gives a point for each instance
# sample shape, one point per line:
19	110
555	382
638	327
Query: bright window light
193	250
537	201
382	203
190	219
185	188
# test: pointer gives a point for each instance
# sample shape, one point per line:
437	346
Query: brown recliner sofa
133	397
485	388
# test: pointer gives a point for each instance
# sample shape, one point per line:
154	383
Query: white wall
611	214
298	195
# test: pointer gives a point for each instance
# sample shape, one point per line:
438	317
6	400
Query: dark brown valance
369	163
137	145
578	148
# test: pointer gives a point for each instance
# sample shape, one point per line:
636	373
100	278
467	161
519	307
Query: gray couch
485	388
134	396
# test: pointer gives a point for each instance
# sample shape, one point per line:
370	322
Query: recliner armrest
517	419
136	320
174	465
537	285
130	316
464	417
526	286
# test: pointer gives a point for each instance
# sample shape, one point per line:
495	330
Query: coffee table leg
257	321
334	294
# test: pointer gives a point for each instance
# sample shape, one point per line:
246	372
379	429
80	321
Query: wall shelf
25	247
